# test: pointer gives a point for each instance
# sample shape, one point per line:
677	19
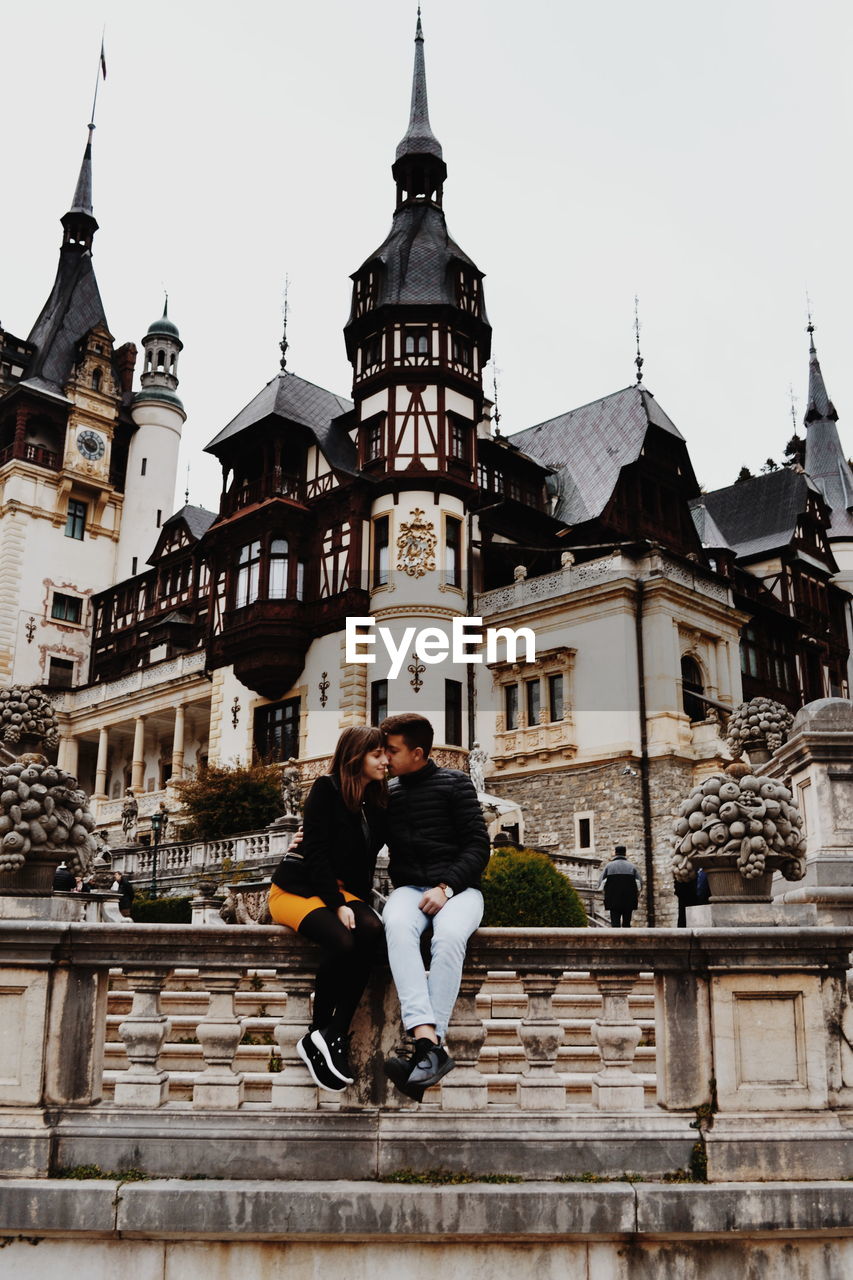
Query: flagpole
102	67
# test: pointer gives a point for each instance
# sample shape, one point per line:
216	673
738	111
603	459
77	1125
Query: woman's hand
346	917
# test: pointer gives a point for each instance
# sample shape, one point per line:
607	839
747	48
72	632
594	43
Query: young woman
323	889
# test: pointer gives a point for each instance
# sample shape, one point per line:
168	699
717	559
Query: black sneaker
432	1065
316	1064
335	1051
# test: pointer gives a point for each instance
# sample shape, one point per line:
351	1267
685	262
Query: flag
103	60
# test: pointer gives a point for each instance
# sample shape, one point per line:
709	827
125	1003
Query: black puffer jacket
436	831
337	847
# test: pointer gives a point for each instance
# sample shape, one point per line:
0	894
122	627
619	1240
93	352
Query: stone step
502	1088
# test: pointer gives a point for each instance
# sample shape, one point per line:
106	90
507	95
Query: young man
622	884
438	847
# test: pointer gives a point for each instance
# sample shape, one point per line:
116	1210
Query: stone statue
291	789
129	815
477	759
164	812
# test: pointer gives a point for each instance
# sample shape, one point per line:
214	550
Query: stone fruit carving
748	823
759	723
26	712
42	810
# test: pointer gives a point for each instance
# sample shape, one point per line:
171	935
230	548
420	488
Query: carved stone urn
739	828
44	816
758	727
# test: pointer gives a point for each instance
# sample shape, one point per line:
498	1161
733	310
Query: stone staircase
261	1000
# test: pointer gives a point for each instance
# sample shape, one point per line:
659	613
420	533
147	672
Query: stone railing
252	848
752	1059
187	664
581	577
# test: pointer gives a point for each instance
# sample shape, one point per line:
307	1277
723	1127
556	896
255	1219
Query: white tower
152	463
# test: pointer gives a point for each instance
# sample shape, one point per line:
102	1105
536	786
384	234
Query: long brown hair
347	762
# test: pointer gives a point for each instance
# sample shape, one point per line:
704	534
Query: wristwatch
448	892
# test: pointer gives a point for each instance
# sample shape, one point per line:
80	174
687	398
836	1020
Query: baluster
292	1087
144	1031
465	1088
616	1033
540	1088
219	1032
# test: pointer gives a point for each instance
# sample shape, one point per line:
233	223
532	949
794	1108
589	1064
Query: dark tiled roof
589	446
294	400
417	256
197	519
755	516
73	308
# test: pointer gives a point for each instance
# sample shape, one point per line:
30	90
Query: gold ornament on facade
416	545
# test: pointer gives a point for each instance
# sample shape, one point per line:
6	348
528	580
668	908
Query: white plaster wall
48	561
157	439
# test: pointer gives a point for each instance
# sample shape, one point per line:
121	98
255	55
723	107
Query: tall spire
820	406
79	223
825	462
419	167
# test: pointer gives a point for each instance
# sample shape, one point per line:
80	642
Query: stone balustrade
749	1042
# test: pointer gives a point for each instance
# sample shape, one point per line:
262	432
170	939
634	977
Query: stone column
292	1087
70	755
219	1033
178	744
617	1033
137	777
540	1088
465	1088
101	767
144	1032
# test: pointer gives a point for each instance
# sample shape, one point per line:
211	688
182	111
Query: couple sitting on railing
431	820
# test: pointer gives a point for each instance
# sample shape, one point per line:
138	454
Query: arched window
278	569
161	361
172	360
96	380
691	684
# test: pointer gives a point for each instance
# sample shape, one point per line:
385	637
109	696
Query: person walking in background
122	886
64	880
322	889
622	884
438	847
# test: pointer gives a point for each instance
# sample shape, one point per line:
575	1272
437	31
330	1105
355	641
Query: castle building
221	636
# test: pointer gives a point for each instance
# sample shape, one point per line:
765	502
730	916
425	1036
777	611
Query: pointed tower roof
419	138
74	306
82	200
825	462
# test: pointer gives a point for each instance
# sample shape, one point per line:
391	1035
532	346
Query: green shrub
161	910
524	889
222	802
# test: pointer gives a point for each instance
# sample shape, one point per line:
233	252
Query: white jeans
427	999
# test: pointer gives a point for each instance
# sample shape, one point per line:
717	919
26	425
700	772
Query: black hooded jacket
436	831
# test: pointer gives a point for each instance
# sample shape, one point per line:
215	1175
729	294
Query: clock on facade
91	445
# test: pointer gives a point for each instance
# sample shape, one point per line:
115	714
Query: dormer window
461	351
416	343
372	352
373	441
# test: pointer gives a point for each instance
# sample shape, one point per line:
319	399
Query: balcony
273	484
36	454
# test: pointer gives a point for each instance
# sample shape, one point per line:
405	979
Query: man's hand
346	917
432	901
296	841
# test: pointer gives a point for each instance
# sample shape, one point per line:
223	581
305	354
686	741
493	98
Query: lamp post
156	828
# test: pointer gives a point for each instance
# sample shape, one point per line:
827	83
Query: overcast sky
695	154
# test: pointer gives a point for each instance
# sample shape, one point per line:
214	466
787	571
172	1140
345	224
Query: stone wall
611	791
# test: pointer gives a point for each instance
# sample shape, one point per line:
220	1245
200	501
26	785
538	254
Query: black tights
350	955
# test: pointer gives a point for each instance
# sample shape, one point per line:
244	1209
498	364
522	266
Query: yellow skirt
291	909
